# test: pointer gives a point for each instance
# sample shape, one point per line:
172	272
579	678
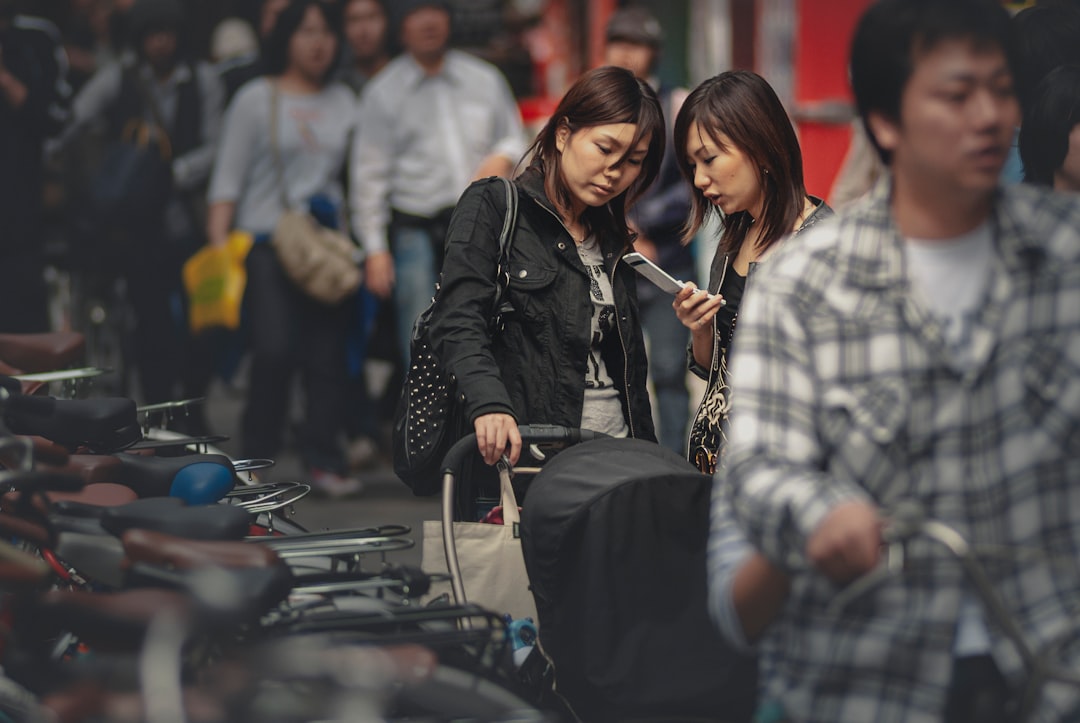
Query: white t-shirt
952	277
313	134
602	410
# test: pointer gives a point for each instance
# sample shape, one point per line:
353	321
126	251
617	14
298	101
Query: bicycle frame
909	521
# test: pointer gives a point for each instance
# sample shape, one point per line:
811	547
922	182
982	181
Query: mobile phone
652	272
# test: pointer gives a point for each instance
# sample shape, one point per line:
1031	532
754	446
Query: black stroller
614	535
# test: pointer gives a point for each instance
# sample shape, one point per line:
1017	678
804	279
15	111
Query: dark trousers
979	693
290	332
23	296
153	291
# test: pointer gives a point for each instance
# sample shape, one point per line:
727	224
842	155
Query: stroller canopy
614	533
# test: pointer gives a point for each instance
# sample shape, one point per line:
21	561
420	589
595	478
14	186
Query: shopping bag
214	279
489	556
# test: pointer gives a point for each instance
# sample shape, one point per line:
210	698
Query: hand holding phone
663	280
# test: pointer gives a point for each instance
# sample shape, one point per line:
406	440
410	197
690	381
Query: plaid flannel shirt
845	393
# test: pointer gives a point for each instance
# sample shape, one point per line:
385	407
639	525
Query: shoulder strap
506	241
155	112
275	150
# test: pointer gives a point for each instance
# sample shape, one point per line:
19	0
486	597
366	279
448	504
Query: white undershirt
952	277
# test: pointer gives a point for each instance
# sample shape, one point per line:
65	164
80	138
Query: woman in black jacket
570	350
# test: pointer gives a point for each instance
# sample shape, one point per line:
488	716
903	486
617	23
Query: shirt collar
872	253
1020	249
416	73
181	74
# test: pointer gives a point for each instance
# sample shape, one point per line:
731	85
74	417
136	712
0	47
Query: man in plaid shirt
924	347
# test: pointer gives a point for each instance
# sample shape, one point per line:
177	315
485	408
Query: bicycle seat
7	382
108	621
20	572
92	468
34	353
171	516
102	425
198	479
91	497
15	526
157	548
48	452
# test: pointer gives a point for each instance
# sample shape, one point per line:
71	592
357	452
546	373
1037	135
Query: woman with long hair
737	148
286	135
739	151
571	350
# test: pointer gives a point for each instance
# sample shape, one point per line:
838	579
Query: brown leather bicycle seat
101	494
89	701
13	526
48	452
93	468
21	571
157	548
42	352
109	621
15	577
43	451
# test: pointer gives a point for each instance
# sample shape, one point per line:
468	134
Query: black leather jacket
534	368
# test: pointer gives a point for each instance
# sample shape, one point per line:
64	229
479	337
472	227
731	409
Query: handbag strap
155	111
275	150
506	241
511	516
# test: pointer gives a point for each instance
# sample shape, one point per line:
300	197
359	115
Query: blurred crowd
130	142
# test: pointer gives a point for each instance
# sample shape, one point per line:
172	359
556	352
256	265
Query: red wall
822	93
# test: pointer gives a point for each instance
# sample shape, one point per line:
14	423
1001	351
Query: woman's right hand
379	274
494	432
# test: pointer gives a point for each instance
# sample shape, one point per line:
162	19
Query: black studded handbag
428	418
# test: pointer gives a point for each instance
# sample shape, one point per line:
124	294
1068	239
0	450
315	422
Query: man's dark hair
892	34
276	47
1050	116
1045	36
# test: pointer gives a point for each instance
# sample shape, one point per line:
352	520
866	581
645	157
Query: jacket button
562	245
523	273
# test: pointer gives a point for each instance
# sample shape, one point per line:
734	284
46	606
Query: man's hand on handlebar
496	434
847	543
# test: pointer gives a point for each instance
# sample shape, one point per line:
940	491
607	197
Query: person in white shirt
431	122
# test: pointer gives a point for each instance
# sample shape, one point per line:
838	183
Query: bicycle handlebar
530	434
909	520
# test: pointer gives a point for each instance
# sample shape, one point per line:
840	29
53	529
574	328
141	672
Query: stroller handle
530	434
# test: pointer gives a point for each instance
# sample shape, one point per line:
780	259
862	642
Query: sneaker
331	484
362	453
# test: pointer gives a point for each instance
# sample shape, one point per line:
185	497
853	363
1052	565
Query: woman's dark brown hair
600	97
744	108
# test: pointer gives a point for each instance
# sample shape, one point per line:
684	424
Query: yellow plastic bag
214	279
